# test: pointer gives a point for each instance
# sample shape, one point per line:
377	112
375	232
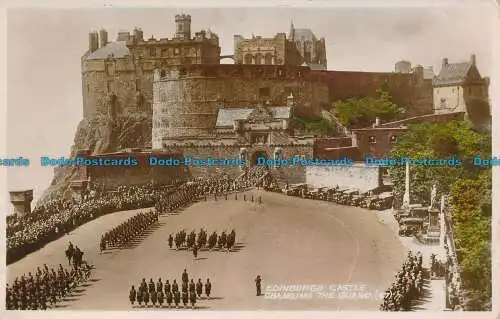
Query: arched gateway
258	154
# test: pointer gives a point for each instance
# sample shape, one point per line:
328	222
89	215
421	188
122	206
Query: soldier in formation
155	295
202	240
45	288
128	230
407	286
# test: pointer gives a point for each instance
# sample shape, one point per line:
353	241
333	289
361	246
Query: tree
360	113
469	188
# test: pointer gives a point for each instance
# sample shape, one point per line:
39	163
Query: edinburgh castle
117	76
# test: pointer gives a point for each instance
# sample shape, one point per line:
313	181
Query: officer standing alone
258	281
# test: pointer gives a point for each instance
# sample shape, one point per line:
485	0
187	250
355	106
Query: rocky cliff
102	134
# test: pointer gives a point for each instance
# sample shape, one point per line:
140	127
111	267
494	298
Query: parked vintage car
410	226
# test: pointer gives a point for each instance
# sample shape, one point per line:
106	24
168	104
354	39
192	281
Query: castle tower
292	31
138	35
93	41
183	26
179	115
103	38
21	200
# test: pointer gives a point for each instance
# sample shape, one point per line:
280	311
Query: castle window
164	52
110	86
152	51
182	72
162	73
177	51
137	84
372	140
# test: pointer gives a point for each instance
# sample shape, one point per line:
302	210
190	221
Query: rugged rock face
102	134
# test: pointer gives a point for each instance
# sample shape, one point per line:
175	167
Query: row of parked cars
343	196
420	221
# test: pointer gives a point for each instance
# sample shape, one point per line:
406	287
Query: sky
44	47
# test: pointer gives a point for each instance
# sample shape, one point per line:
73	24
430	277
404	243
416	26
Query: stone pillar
442	223
243	157
406	196
21	200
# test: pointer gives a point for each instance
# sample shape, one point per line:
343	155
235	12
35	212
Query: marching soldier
132	295
199	288
159	285
170	241
184	286
192	286
195	251
208	288
185	277
151	286
167	287
258	281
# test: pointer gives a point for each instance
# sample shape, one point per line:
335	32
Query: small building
21	200
458	86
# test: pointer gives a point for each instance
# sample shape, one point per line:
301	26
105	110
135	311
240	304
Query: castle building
312	50
301	48
458	86
117	76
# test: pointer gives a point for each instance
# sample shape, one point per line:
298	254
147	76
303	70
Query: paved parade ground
285	240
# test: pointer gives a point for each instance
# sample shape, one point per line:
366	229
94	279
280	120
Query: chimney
445	61
93	41
473	59
103	38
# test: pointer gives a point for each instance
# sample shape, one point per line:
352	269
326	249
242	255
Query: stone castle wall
239	86
410	91
357	176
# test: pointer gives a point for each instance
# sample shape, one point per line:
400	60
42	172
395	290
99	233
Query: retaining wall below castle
357	176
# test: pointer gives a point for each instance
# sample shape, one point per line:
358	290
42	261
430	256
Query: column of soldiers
202	240
128	230
46	287
407	287
166	293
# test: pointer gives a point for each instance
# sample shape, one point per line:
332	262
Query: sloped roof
307	34
227	116
452	73
116	49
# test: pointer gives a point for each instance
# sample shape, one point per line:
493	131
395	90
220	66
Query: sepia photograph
276	158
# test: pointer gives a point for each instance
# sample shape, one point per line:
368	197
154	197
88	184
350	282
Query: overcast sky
45	46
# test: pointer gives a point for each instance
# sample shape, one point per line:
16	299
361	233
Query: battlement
182	17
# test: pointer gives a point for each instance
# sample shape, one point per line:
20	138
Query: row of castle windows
165	52
373	139
258	58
